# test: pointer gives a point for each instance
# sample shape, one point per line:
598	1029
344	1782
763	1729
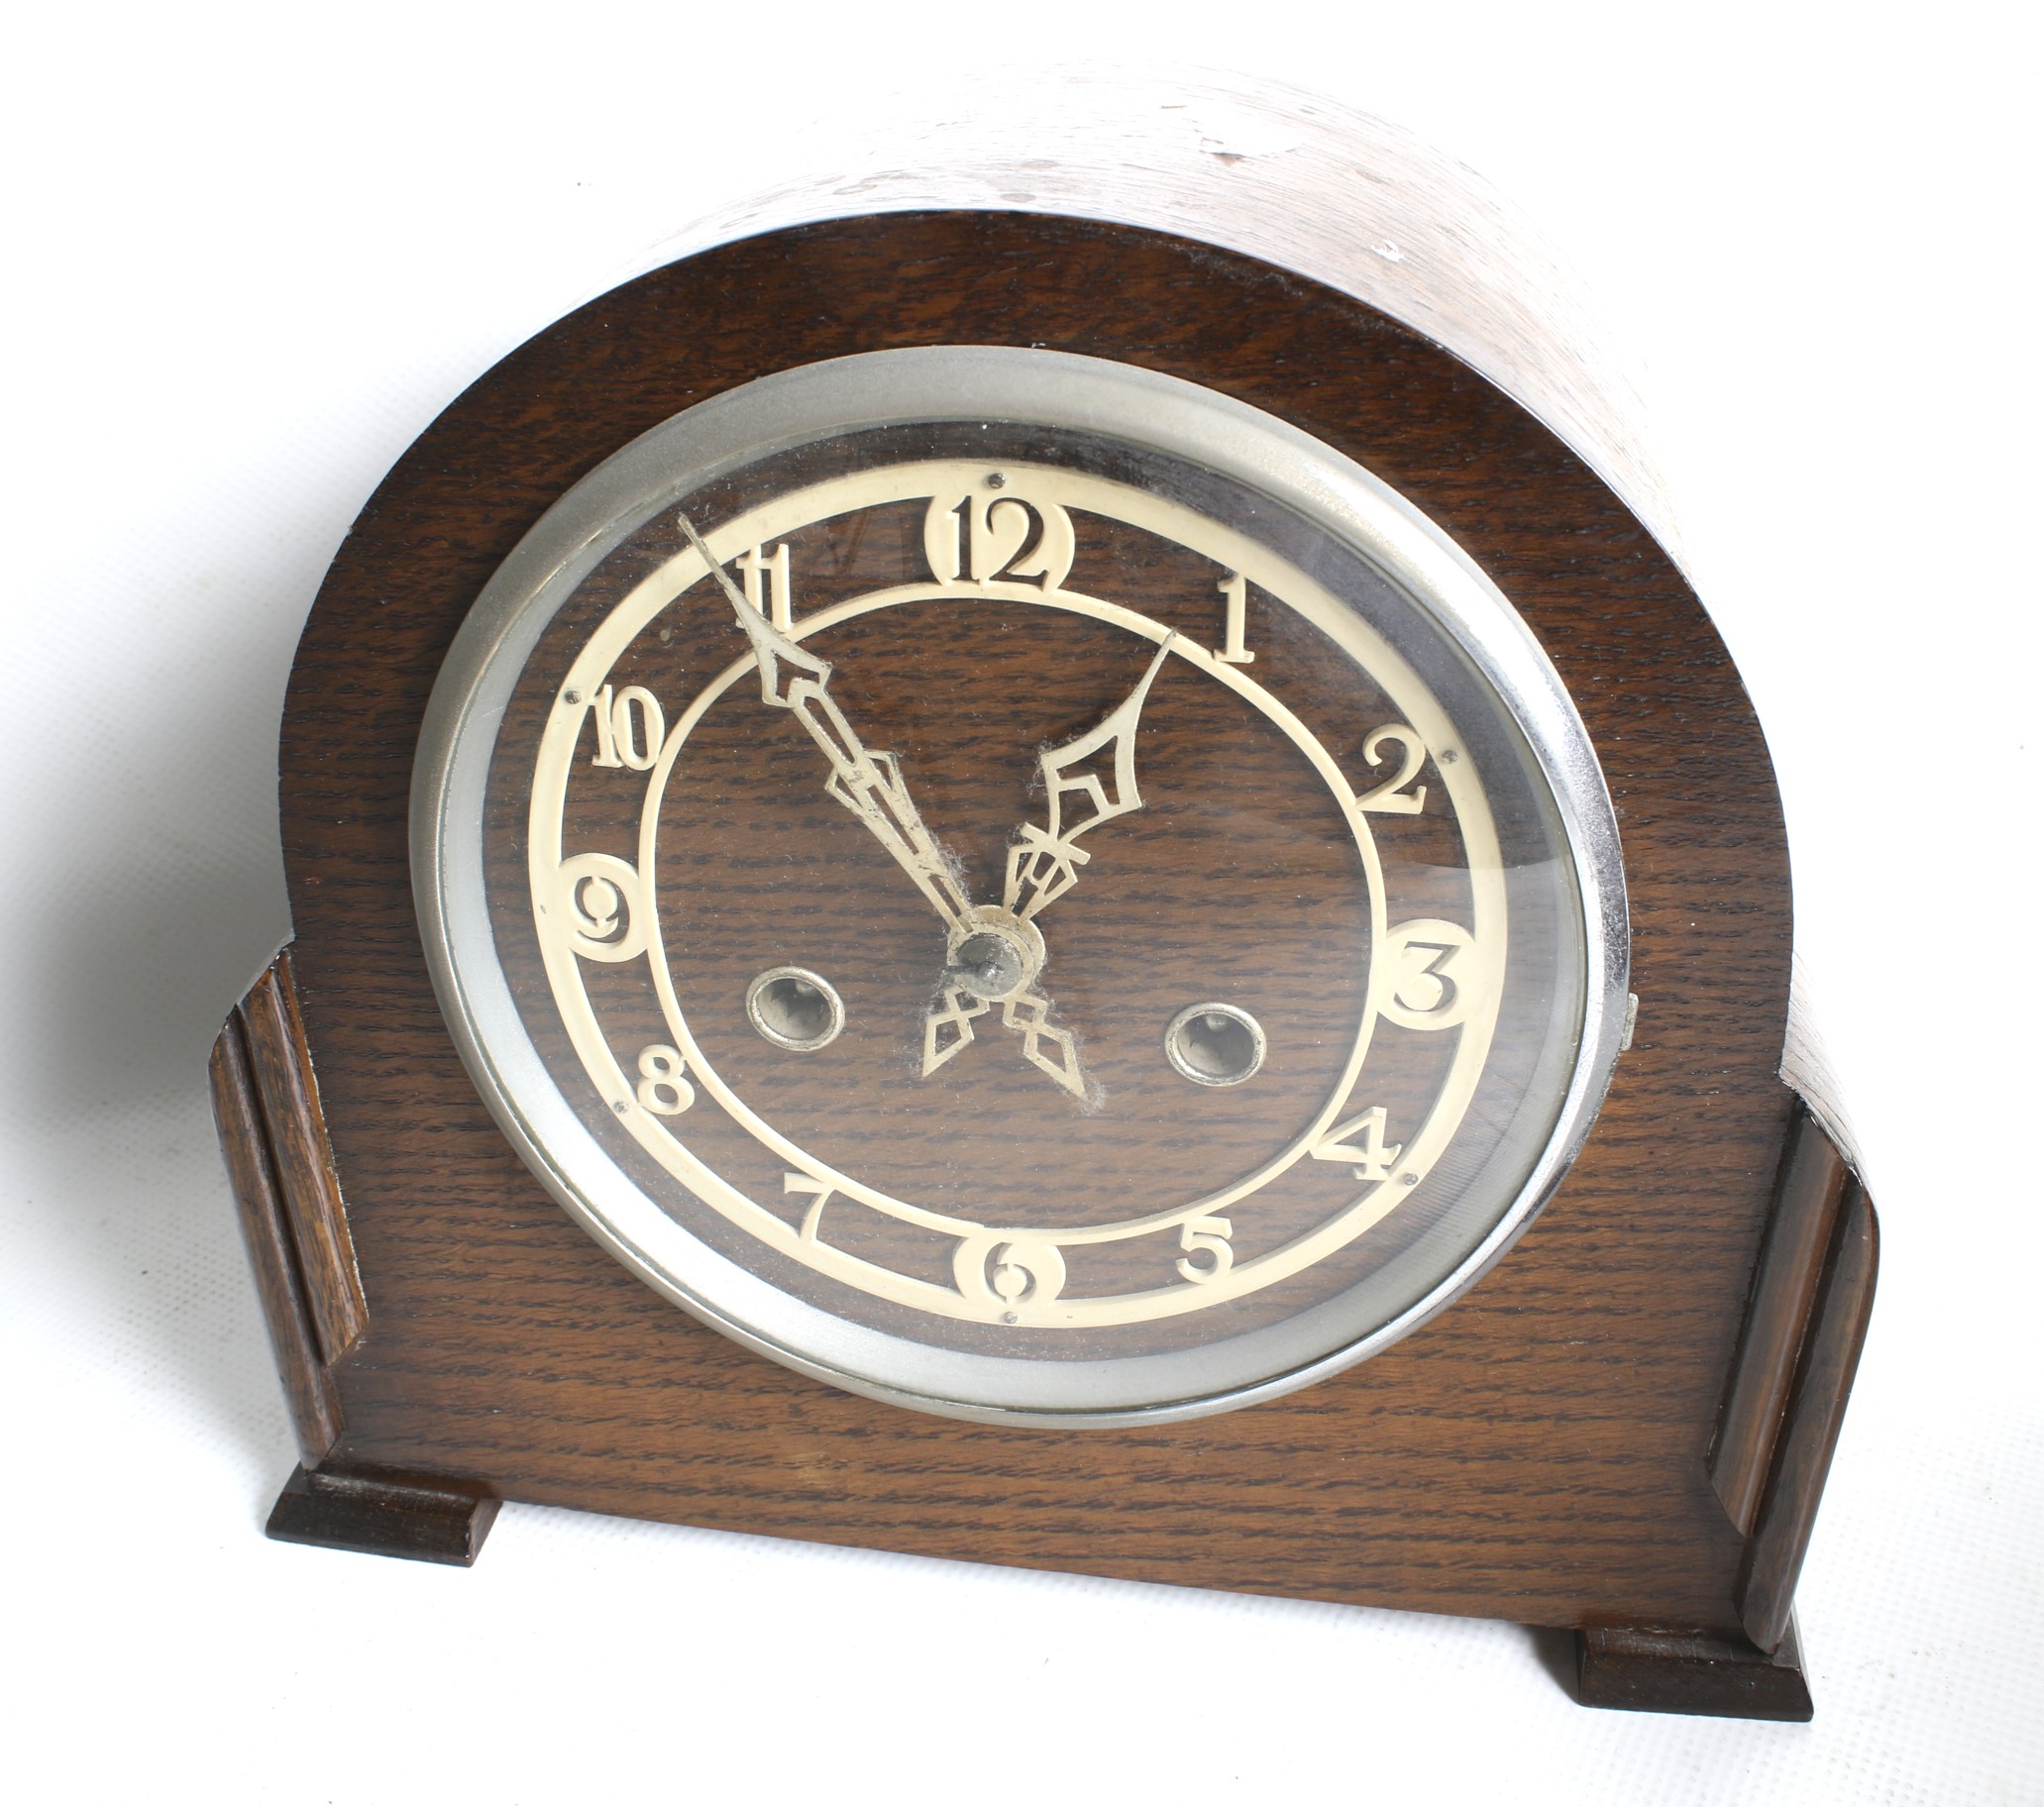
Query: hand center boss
994	952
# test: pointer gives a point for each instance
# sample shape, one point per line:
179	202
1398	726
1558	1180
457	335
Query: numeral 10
630	727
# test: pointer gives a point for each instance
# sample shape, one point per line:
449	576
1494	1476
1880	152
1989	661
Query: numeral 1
1236	587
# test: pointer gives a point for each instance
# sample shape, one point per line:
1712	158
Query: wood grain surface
1686	1672
1538	1453
383	1515
266	1108
1814	1415
1814	1179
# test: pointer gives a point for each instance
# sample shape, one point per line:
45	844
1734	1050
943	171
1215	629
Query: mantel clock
1079	883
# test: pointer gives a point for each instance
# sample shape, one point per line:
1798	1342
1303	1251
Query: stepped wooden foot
383	1516
1690	1672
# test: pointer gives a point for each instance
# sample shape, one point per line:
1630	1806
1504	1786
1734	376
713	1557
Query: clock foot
381	1516
1690	1672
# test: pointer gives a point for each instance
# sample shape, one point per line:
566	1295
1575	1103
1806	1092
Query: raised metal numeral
664	1088
1205	1236
822	1193
1371	1156
1236	587
998	1271
988	538
630	727
596	897
1392	798
769	585
1434	978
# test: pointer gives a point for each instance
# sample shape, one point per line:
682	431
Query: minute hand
1043	864
868	783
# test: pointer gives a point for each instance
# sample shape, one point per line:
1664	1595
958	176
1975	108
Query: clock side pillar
266	1108
1784	1404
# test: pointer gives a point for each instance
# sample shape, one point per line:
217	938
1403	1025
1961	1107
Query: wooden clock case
1622	1429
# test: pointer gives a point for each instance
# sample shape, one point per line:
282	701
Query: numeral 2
1391	797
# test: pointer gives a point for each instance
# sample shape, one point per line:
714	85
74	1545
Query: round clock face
1019	886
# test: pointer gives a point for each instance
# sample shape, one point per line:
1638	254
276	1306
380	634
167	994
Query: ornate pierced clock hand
998	959
1045	863
868	783
948	1027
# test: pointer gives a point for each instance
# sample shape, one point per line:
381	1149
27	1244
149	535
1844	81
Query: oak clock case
1218	957
1036	754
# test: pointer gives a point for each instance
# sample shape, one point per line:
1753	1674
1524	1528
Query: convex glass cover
1019	886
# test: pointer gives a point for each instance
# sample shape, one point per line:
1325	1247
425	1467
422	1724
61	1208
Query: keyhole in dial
794	1007
1215	1044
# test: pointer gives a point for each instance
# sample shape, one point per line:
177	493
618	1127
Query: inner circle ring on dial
698	1064
920	480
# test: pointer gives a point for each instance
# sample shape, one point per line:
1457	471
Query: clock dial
969	872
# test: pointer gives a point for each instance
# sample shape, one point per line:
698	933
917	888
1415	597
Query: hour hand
995	958
948	1027
868	783
1044	863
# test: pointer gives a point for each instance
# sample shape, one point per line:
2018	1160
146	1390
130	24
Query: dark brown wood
380	1515
248	1140
282	1067
1809	1433
1814	1177
1690	1672
1539	1452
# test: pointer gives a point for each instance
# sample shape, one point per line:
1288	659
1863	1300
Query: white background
253	252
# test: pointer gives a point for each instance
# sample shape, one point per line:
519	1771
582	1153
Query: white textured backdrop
253	251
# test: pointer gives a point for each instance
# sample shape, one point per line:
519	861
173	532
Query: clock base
1691	1672
378	1515
1640	1671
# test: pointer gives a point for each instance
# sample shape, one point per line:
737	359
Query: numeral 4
1361	1141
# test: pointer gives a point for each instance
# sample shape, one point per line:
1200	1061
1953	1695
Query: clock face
1019	886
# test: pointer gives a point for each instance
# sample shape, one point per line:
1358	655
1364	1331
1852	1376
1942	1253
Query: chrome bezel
964	384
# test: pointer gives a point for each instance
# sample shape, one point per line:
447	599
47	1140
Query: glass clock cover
1019	886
